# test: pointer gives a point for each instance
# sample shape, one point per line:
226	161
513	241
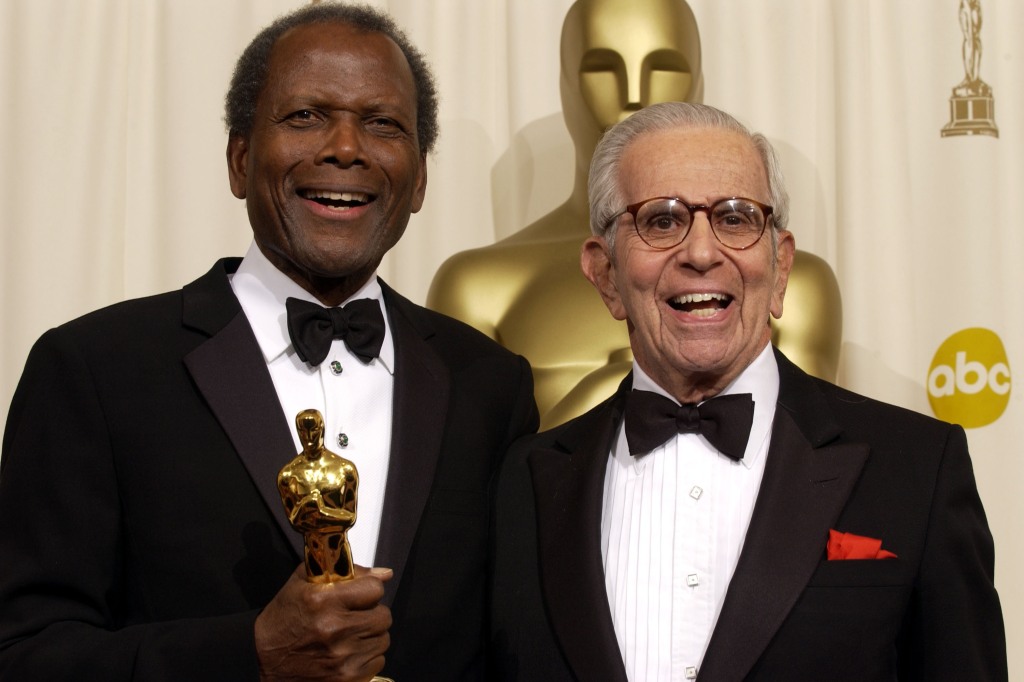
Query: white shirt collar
760	379
262	290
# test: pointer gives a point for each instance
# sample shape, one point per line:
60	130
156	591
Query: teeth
699	298
337	196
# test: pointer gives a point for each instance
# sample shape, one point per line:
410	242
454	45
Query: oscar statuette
319	489
972	105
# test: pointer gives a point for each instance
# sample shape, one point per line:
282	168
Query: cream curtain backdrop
113	181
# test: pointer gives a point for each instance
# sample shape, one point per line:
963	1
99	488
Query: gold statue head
310	426
619	56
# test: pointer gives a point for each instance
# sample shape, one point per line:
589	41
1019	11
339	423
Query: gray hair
253	66
604	189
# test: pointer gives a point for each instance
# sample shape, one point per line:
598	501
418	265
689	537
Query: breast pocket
876	589
860	573
845	623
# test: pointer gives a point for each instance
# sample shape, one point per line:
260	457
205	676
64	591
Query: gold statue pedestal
972	111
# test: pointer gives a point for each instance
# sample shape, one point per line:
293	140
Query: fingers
382	574
336	631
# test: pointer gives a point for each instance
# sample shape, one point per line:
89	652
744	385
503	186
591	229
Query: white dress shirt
354	398
672	527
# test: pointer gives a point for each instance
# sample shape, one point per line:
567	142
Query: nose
700	249
634	88
342	144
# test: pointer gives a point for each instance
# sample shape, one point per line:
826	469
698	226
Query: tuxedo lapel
422	389
568	483
805	486
230	372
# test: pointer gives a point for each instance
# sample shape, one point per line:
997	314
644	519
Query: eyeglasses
664	222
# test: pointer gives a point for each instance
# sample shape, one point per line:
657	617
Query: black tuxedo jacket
140	525
836	460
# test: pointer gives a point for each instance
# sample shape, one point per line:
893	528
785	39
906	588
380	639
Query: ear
598	267
783	266
238	157
421	185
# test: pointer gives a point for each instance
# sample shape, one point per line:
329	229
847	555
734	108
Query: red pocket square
850	546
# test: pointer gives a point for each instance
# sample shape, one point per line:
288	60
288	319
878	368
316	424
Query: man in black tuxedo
142	535
725	516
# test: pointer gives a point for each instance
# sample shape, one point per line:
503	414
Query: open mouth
701	305
338	201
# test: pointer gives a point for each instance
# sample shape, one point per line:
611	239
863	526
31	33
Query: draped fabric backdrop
113	180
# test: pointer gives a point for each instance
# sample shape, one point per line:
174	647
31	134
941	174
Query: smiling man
155	428
725	516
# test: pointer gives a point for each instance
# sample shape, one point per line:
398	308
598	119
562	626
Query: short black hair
253	66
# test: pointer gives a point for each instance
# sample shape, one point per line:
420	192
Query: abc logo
969	380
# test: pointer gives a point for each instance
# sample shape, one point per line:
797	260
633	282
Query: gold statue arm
314	503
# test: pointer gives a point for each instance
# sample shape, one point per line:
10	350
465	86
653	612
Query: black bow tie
651	419
312	328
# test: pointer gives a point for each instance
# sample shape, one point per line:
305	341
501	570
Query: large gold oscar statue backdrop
527	291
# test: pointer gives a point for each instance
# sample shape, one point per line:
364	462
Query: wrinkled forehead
694	163
634	29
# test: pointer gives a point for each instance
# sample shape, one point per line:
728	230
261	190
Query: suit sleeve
62	550
954	629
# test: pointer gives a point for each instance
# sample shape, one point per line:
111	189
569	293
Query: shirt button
691	672
692	580
336	368
343	440
696	491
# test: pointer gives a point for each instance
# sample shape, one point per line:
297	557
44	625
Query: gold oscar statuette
972	106
319	489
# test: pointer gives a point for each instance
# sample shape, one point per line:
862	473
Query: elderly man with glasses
724	514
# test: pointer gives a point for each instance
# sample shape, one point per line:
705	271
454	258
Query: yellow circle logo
969	380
